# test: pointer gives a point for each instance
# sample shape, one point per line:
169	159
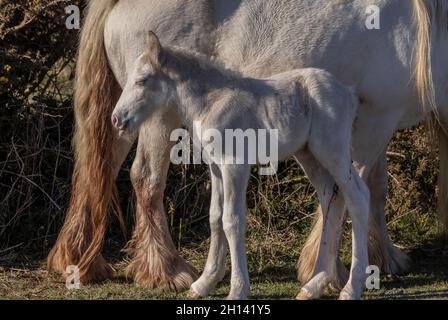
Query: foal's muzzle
120	124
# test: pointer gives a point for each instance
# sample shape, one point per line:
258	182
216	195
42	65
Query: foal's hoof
238	293
346	296
236	297
304	295
193	295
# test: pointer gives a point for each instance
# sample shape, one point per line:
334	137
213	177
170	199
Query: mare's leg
235	179
155	260
214	269
442	200
382	252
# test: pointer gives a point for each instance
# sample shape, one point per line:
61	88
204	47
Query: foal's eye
141	82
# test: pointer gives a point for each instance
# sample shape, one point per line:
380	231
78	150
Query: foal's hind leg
366	149
310	250
155	260
382	252
214	269
325	270
356	196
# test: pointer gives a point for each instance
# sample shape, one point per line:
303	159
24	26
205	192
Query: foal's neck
195	78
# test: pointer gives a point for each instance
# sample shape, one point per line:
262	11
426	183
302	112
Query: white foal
313	114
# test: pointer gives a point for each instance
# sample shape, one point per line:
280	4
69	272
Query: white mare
313	114
400	73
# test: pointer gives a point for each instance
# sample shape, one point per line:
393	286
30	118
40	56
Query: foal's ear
155	50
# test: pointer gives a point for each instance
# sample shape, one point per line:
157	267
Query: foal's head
147	89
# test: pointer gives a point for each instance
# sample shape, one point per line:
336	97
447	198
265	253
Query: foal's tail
93	186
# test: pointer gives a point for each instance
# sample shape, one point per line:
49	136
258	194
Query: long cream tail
94	191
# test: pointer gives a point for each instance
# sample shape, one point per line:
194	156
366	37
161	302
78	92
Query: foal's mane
189	65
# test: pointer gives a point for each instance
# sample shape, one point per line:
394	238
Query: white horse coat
259	38
313	114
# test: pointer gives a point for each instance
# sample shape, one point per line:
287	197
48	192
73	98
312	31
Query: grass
280	216
427	279
36	162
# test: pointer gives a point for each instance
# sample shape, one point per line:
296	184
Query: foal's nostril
115	120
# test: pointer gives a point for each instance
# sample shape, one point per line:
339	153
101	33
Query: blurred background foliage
37	58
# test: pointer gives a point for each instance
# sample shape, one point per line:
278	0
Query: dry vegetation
36	119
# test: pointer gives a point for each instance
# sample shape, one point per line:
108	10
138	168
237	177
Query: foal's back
330	108
302	104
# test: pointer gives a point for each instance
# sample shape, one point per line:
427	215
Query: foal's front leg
235	179
214	269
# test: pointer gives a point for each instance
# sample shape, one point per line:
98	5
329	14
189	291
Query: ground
280	215
428	279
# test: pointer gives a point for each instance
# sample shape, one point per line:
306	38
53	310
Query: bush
36	68
37	57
